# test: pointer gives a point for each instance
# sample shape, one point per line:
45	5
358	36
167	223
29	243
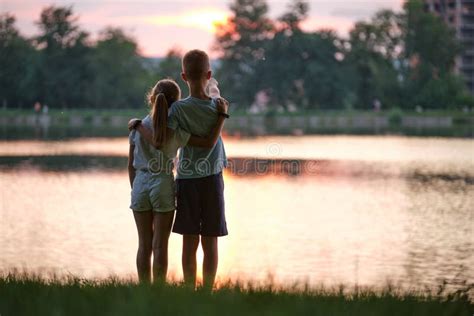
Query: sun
204	19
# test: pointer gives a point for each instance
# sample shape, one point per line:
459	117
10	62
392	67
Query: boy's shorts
200	207
153	192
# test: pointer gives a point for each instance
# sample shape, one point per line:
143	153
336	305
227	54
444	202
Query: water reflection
251	167
347	148
22	131
442	239
84	163
362	221
40	129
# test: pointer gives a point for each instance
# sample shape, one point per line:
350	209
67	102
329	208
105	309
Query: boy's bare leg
144	222
190	246
209	266
162	223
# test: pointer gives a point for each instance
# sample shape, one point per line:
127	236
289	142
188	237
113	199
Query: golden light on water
332	227
361	148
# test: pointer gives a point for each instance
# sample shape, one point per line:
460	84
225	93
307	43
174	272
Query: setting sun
205	19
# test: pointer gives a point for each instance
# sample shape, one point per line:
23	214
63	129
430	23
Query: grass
32	295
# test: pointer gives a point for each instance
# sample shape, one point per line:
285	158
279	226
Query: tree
429	38
430	50
240	42
324	76
301	69
16	54
404	59
375	57
170	67
297	11
120	75
62	70
444	92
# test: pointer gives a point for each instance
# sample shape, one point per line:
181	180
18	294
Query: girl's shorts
153	192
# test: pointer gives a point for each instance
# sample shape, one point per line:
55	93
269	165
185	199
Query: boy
200	215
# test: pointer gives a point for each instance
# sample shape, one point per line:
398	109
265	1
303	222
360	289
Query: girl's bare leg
162	223
144	222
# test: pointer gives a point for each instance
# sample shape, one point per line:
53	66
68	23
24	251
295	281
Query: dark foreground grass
29	295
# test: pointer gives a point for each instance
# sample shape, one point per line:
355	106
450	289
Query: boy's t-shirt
147	157
197	117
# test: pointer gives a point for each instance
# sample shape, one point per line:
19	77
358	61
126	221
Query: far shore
426	123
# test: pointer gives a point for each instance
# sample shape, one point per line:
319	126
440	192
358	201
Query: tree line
63	68
394	60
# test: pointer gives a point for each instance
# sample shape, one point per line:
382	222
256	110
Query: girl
150	168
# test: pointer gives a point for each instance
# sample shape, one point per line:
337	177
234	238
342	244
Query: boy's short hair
195	64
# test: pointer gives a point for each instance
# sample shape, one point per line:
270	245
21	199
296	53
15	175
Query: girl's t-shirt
159	161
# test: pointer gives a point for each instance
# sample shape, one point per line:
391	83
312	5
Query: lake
326	210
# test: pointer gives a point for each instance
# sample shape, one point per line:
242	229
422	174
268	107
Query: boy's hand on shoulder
133	123
222	105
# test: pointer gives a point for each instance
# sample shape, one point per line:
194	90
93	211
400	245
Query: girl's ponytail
160	119
161	96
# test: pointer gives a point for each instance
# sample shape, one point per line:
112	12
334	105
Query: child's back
197	117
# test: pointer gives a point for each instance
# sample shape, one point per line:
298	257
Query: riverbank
112	123
27	295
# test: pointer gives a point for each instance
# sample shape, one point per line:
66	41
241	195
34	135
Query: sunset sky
159	25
